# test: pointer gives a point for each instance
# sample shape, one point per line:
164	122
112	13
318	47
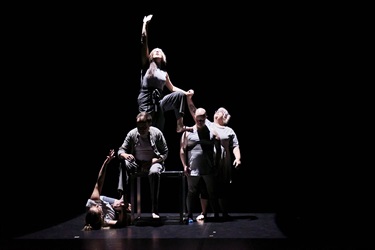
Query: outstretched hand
111	155
190	93
146	19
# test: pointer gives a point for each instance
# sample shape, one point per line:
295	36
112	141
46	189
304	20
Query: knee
153	174
131	166
156	168
179	94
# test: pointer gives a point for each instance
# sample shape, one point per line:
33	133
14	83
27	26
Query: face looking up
157	55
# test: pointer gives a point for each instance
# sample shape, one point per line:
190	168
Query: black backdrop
306	137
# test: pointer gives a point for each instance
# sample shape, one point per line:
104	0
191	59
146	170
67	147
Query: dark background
299	89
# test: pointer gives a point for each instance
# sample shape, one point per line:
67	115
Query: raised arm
100	181
191	105
144	40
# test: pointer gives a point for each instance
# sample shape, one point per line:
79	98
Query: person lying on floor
103	211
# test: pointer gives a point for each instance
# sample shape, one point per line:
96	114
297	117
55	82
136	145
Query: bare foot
129	208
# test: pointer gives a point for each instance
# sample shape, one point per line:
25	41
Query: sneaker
155	216
190	220
200	217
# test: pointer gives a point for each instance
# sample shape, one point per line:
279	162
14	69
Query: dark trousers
194	189
126	168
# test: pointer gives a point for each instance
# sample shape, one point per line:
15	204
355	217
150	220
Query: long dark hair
93	221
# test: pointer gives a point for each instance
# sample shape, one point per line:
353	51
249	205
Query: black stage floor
243	231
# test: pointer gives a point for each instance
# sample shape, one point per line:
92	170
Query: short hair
200	111
226	115
144	117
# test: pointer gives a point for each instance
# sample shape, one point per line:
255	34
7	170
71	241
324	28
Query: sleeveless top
200	151
151	91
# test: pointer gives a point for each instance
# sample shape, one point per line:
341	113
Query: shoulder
133	132
213	132
231	131
91	202
155	130
185	134
228	130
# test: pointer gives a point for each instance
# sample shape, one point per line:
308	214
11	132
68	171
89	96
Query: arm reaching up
190	103
144	40
100	181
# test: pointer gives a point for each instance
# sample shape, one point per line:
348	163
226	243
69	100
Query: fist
147	18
